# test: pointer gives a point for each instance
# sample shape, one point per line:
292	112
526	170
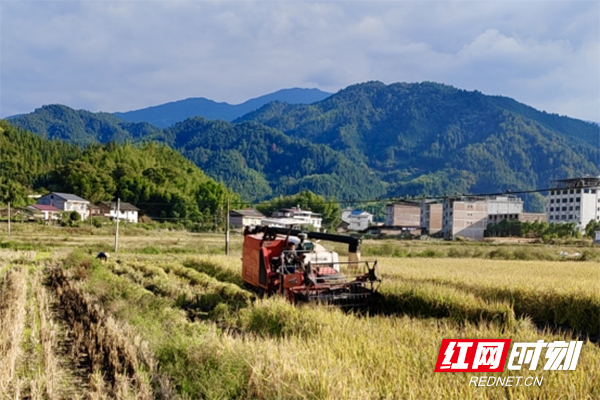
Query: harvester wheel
260	292
300	298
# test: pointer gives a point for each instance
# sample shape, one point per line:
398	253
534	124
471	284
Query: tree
12	192
70	218
591	228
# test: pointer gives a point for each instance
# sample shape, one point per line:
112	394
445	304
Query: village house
94	211
289	223
286	216
247	217
127	212
357	220
44	212
403	214
66	202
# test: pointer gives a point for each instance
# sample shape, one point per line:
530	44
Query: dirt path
56	344
36	362
101	348
12	325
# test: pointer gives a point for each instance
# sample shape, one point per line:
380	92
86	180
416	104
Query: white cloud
124	55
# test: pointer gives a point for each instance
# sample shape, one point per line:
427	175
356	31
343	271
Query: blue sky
125	55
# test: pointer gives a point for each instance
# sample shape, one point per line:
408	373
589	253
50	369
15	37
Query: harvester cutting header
282	261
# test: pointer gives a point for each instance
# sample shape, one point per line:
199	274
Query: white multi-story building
468	216
575	200
357	220
510	205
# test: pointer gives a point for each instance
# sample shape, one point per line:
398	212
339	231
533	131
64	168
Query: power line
347	202
359	201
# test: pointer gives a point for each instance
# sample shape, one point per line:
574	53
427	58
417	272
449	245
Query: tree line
154	177
537	229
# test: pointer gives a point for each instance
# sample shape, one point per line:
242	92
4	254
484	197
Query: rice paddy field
167	318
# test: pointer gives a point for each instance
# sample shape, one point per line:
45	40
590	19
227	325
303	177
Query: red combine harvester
281	261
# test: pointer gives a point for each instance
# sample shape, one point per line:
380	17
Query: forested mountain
374	140
159	180
80	126
251	159
260	162
28	161
169	114
429	138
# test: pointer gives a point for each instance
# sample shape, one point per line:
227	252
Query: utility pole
117	231
9	218
227	230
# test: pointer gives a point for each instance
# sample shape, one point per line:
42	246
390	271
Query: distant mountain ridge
430	138
81	127
166	115
373	140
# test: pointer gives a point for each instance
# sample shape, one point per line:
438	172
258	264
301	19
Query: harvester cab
282	261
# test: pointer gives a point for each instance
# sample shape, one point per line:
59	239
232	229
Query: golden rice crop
13	295
271	349
562	294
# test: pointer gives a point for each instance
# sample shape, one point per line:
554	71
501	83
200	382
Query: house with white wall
357	220
303	217
66	202
127	212
44	212
245	217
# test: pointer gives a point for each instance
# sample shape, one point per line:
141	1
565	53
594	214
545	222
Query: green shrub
500	254
97	222
150	250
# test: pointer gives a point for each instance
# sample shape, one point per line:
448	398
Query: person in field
290	257
302	237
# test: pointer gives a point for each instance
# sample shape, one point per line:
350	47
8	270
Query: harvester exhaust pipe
353	243
354	252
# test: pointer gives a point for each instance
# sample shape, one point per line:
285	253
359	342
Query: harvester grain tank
271	264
